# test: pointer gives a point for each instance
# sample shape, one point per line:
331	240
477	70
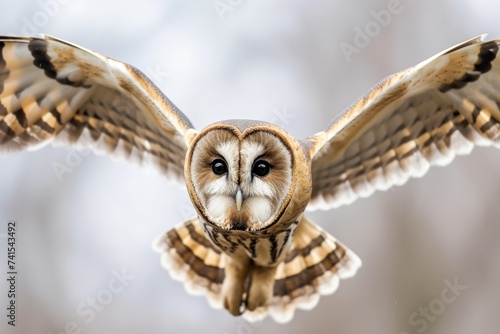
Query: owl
251	249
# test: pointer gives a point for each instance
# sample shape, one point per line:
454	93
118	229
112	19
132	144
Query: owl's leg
315	263
261	288
234	283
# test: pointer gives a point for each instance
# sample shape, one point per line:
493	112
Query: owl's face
240	180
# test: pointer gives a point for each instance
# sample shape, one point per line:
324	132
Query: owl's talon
261	289
243	307
233	304
258	299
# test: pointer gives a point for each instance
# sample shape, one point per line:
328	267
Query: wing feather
54	91
190	258
423	116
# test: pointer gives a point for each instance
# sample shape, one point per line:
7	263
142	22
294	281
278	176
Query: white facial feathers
252	185
262	193
227	184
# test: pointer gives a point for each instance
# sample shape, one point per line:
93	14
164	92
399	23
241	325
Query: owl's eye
261	168
219	167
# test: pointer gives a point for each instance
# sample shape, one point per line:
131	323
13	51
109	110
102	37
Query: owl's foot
261	288
234	285
260	291
233	296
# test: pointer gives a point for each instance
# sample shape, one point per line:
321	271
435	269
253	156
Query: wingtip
158	244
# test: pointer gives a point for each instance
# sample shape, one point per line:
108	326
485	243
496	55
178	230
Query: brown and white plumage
417	118
51	90
251	249
313	266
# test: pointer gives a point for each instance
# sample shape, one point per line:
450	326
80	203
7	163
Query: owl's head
240	174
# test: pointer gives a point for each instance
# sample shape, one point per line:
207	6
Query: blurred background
284	62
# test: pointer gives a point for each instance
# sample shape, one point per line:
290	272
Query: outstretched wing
51	90
415	119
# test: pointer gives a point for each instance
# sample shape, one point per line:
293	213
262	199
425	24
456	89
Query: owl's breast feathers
266	248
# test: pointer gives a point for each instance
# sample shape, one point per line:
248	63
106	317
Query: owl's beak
238	199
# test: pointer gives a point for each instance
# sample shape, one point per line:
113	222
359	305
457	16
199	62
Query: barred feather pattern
313	266
418	118
53	91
